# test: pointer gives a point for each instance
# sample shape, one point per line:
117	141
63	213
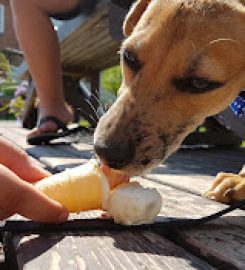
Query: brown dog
182	61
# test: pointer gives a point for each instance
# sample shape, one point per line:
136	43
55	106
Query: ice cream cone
79	189
90	187
115	178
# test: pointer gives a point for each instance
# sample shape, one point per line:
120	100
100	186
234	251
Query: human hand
19	196
16	160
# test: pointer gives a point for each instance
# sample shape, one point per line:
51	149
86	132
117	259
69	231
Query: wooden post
77	100
29	116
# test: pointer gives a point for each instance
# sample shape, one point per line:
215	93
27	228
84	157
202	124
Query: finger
42	209
17	196
20	163
31	173
27	170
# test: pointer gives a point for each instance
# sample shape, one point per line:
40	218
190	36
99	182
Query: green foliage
111	79
7	90
17	103
243	144
8	86
84	123
17	106
4	63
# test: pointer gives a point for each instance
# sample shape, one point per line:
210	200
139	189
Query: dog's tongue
115	177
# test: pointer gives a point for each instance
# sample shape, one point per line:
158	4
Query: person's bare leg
40	46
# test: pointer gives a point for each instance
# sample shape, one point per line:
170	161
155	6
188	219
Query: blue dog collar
238	105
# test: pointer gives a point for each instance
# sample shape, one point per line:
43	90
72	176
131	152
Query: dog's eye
196	85
131	60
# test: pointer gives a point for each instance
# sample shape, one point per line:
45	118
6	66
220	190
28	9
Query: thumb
20	197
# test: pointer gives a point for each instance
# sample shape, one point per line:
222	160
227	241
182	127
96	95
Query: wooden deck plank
87	37
91	41
54	158
194	170
81	30
220	242
90	49
85	40
104	250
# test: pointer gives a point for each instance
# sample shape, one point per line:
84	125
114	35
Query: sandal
62	131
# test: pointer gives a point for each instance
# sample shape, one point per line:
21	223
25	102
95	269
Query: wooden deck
217	245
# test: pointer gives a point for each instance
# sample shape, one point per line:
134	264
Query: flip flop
62	131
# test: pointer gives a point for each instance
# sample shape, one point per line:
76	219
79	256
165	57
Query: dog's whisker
96	98
223	40
92	108
88	115
216	41
99	102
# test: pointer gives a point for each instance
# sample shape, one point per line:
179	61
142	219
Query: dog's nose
115	155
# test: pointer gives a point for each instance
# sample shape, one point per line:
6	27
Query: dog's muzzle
116	155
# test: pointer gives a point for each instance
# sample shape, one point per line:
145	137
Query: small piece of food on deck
132	204
79	189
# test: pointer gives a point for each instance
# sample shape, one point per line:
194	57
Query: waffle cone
79	189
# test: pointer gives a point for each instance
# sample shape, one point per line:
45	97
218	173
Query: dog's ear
134	16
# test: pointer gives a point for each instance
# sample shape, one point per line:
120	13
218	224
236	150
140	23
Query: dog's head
182	61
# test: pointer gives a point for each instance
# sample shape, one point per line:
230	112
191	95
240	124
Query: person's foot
65	115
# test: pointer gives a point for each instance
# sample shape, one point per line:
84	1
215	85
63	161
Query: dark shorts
85	7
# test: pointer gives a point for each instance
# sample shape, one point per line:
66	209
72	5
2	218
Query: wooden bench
88	44
181	180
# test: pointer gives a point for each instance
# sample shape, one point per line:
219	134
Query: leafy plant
17	103
7	87
111	79
4	64
7	83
